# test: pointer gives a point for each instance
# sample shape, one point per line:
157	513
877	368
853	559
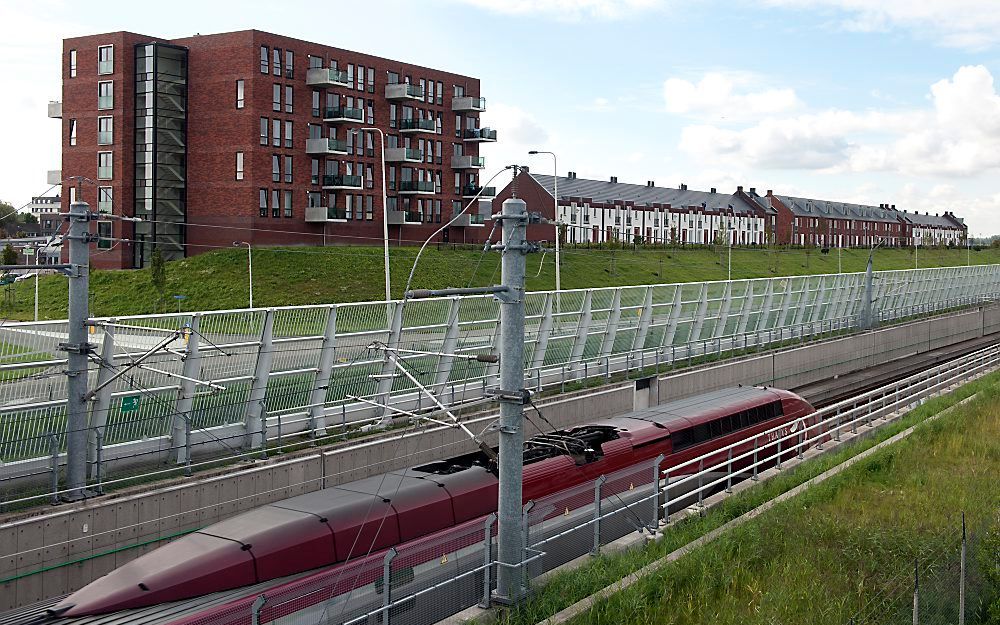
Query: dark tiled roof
608	192
808	207
926	220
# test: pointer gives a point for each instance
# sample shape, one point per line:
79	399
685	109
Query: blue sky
869	101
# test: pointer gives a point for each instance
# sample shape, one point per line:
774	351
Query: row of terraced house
600	211
270	140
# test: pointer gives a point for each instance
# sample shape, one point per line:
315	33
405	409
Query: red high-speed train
355	519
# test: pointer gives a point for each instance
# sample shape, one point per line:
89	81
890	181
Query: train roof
705	406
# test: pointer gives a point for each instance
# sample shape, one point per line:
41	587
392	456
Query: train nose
195	565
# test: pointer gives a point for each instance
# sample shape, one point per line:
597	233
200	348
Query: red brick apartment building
251	136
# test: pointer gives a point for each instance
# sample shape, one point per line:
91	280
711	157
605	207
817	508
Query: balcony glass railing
105	102
421	186
105	67
342	181
413	217
485	134
403	90
104	138
332	212
336	145
104	173
343	112
322	75
471	191
418	124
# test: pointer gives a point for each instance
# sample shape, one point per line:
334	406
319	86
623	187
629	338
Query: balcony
403	218
325	146
105	102
468	162
341	182
53	176
416	186
480	135
323	77
417	125
474	216
105	137
467	104
55	110
104	173
343	114
472	191
403	155
323	214
403	91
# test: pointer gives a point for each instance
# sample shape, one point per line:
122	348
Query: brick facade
222	209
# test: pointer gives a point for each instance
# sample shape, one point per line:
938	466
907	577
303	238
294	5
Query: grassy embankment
821	556
297	276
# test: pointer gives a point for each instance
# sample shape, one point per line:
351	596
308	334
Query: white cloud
569	9
958	135
726	95
972	24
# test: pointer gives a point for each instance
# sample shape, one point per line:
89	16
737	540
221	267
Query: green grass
309	275
800	562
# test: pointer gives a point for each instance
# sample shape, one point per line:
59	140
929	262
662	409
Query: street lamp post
385	208
555	212
249	265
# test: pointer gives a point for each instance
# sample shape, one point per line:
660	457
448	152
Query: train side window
776	408
700	434
681	439
715	428
745	419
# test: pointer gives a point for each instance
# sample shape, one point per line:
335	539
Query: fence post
263	431
597	514
701	474
258	603
488	561
54	467
799	438
525	522
187	444
778	464
961	579
836	433
754	475
387	583
98	469
656	493
916	593
729	470
666	498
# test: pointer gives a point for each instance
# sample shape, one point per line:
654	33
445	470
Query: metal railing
312	370
434	577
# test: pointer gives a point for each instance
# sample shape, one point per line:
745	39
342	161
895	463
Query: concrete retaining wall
105	533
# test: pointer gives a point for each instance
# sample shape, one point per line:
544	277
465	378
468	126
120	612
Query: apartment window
288	133
275	207
316	131
239	165
458	125
361	77
392	78
265	67
369	178
288	202
263	130
440	98
430	91
277	61
240	99
72	132
371	80
104	200
315	62
288	98
370	143
275	168
371	111
104	241
276	97
105	95
105	59
276	132
392	116
314	198
104	171
288	168
350	73
439	123
392	178
437	152
314	171
459	91
358	207
423	88
72	63
458	183
289	64
263	202
104	131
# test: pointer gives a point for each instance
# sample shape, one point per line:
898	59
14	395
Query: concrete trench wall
102	534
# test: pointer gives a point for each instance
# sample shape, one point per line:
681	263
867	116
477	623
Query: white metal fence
427	580
311	369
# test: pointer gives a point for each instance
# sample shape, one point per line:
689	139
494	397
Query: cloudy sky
858	100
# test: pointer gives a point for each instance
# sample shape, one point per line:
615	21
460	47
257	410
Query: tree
9	255
158	276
